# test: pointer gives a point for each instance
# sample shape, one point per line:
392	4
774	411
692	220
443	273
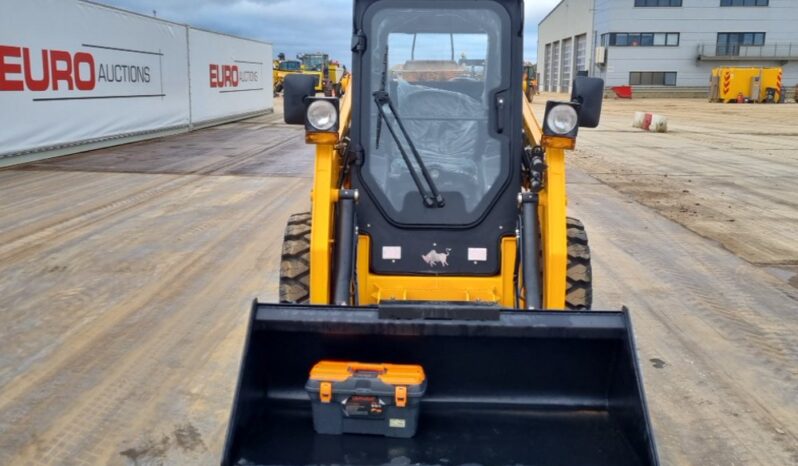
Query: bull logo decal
434	257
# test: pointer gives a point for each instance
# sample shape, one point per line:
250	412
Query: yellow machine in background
746	85
282	68
330	71
530	81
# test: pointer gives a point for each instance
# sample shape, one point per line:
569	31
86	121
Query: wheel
579	283
295	260
278	87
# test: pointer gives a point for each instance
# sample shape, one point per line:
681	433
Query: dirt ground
126	276
727	172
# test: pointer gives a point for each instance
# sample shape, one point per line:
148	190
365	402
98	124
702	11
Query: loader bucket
504	388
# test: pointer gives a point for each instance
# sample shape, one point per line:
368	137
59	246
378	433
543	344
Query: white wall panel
73	71
229	76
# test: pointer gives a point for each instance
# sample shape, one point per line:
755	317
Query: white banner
229	76
74	72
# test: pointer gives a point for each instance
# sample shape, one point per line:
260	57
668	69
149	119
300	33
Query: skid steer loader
438	237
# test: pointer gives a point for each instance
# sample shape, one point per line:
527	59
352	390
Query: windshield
290	65
441	72
314	62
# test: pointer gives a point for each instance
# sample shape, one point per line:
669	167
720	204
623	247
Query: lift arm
552	212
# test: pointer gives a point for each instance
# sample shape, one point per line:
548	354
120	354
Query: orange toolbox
364	398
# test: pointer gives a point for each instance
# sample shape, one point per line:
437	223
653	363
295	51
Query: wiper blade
383	83
433	199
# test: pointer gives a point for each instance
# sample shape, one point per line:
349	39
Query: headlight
562	119
322	115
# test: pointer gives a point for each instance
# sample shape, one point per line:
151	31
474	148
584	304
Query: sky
292	26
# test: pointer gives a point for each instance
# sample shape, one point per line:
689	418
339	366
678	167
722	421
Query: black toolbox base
446	436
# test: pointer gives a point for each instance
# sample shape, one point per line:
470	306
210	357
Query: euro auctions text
230	76
51	70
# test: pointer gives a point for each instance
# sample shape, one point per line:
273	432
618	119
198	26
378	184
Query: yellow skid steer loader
438	246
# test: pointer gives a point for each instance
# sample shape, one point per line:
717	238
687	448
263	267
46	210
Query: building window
565	66
581	53
729	43
658	2
744	2
547	68
555	66
641	39
652	78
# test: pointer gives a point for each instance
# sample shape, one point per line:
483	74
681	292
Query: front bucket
524	388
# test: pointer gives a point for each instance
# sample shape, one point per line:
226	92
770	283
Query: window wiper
383	83
382	98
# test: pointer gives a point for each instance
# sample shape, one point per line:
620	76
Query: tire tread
295	260
579	279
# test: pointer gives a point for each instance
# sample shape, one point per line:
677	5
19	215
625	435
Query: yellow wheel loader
438	242
330	70
282	68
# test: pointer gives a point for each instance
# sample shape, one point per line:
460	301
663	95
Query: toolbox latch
325	392
400	396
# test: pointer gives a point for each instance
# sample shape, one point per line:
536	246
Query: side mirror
589	94
296	89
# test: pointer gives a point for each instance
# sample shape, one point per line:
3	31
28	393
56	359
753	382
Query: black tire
295	260
278	88
579	284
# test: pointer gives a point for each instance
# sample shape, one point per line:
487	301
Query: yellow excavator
438	245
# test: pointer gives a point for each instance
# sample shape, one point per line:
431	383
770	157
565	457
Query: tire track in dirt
187	347
106	400
717	318
69	226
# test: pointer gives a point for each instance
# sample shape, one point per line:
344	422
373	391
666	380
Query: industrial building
664	43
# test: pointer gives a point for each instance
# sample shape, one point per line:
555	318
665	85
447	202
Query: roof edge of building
550	12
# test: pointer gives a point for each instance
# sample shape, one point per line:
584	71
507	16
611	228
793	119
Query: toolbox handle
366	367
